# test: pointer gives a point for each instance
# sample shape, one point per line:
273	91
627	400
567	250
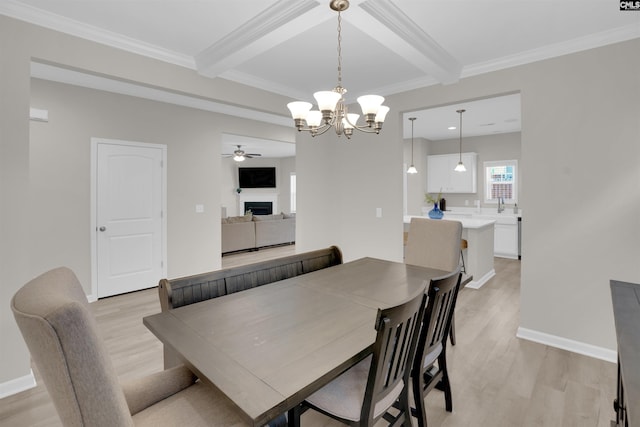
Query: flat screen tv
257	177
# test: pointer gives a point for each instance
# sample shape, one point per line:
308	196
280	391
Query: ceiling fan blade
253	155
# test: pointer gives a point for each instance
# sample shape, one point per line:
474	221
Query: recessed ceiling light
452	128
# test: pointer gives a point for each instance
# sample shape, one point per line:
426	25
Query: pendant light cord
412	120
460	135
461	111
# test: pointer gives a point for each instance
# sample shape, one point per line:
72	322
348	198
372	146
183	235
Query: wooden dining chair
55	319
435	243
363	394
430	362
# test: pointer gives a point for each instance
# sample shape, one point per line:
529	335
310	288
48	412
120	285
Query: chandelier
332	111
460	166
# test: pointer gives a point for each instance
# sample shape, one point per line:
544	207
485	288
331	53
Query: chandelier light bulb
382	113
370	103
327	100
299	109
314	118
353	119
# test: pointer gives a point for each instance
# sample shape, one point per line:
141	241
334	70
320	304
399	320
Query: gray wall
416	183
60	172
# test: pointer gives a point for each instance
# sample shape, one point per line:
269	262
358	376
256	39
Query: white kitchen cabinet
505	241
442	177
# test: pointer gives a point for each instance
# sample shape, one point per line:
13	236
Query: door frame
93	224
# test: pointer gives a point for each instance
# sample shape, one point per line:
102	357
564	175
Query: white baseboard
477	284
569	345
17	385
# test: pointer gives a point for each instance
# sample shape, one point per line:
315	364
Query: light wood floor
497	379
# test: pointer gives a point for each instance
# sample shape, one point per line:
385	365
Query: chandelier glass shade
412	169
332	111
460	166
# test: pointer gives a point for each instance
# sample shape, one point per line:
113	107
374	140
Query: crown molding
591	41
32	15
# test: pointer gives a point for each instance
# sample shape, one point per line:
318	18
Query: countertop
469	223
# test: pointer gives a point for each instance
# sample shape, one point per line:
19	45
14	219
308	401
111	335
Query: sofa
249	232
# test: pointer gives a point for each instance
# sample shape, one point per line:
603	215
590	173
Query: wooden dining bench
183	291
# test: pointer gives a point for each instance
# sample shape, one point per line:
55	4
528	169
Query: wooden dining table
269	347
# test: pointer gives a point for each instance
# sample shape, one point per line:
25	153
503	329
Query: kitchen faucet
500	204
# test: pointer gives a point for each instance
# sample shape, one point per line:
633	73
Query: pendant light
412	169
460	166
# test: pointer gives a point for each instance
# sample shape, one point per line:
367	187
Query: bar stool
463	245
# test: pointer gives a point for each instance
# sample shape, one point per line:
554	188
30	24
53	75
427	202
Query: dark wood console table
626	311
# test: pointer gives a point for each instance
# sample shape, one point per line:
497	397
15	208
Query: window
501	181
292	181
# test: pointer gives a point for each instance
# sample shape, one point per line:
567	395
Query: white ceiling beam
282	21
403	36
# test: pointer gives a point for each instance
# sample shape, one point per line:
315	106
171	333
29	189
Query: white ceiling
388	46
489	116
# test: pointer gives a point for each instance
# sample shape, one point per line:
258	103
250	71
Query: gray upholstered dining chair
56	322
363	394
430	362
434	243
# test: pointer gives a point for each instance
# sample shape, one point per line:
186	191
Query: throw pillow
267	217
236	219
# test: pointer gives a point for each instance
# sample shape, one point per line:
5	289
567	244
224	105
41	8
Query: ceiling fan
239	155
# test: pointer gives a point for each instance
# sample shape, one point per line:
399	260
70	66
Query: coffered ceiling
289	47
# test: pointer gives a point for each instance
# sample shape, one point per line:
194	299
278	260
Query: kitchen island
478	257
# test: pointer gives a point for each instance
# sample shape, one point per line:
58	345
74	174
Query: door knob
103	228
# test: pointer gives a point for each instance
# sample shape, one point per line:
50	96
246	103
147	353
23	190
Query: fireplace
259	208
258	202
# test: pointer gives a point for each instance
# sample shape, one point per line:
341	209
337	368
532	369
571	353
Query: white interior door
129	194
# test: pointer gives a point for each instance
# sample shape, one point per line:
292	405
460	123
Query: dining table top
269	347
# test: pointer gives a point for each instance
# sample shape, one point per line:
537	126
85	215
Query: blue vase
436	213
